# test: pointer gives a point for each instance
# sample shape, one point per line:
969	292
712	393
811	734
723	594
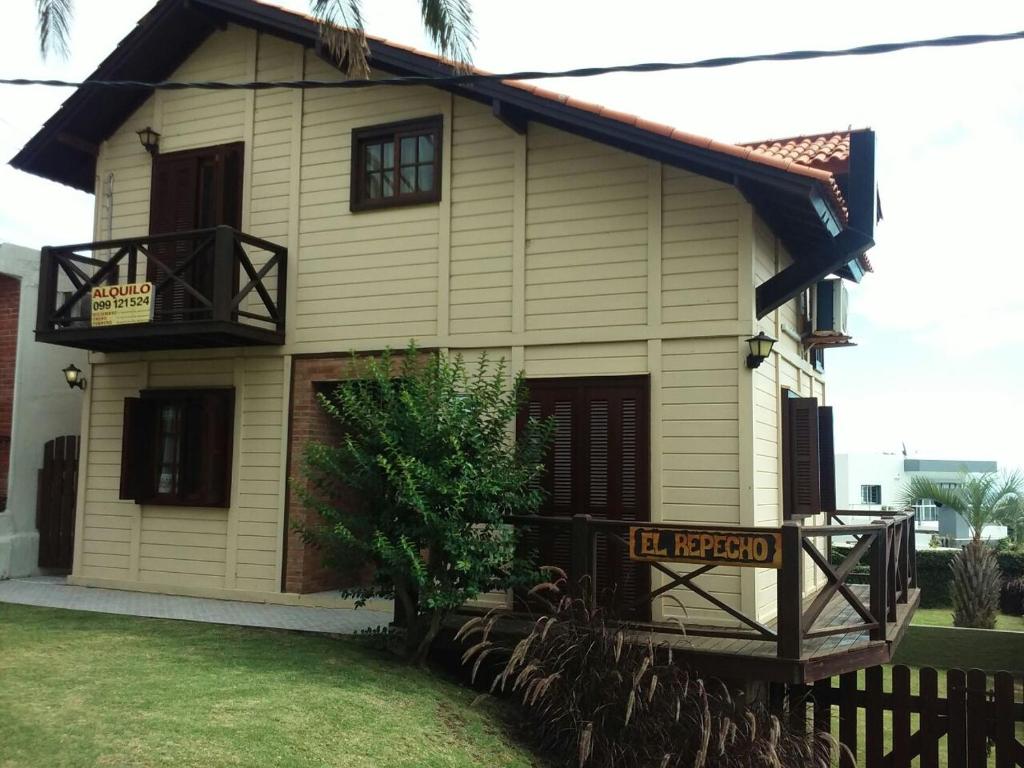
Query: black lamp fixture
73	376
760	347
150	140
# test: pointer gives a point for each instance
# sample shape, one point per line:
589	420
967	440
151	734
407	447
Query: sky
939	325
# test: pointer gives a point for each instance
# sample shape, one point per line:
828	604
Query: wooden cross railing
203	275
886	543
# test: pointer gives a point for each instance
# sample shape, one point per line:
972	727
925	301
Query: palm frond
54	19
342	33
450	26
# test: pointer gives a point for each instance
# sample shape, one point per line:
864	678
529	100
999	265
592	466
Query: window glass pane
408	179
372	158
373	186
408	150
388	155
425	181
388	186
427	148
170	449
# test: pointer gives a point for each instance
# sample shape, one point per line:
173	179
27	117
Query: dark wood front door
194	189
598	465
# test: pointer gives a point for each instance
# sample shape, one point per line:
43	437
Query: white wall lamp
760	347
73	376
149	139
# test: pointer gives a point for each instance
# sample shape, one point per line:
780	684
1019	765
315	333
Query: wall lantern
73	376
150	140
760	347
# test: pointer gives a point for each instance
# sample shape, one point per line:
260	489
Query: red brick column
10	300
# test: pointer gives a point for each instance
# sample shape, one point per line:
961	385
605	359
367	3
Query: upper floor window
396	164
871	494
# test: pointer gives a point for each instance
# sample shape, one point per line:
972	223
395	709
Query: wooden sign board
746	547
121	304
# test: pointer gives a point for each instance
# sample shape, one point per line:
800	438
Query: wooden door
598	465
195	189
55	503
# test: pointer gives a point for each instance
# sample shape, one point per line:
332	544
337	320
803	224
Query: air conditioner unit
830	301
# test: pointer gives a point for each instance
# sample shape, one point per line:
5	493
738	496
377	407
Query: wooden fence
972	719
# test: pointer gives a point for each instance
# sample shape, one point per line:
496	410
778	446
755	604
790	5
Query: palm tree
448	22
981	500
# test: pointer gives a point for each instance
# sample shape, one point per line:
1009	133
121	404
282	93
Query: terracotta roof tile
828	152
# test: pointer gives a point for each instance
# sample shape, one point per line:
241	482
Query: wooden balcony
214	287
853	619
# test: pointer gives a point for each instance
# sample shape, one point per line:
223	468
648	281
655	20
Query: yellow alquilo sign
746	547
122	304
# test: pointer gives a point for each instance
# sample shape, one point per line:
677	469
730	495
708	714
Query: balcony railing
209	288
840	613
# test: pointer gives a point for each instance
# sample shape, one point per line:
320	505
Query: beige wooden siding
197	118
258	500
699	246
586	234
700	454
373	274
209	548
124	165
108	524
482	169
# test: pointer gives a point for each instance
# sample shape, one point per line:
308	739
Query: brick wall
10	290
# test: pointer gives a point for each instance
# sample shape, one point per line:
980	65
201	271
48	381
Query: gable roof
803	203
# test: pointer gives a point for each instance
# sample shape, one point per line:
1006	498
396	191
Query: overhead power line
473	77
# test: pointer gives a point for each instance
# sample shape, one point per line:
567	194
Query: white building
36	406
875	481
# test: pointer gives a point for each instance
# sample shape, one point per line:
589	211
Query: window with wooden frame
396	164
176	447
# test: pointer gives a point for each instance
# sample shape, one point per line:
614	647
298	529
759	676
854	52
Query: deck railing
886	542
203	275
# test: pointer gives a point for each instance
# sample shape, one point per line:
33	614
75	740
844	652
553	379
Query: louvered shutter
217	410
136	449
173	208
597	465
827	458
801	452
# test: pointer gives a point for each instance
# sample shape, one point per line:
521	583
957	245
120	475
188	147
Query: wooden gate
55	502
971	719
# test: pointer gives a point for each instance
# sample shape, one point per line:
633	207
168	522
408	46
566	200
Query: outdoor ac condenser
830	300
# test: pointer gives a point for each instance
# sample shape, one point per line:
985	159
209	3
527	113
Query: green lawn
943	617
85	689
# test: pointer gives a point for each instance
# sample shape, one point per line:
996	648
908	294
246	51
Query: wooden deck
821	657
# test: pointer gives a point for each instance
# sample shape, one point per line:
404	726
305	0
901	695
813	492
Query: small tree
430	457
981	500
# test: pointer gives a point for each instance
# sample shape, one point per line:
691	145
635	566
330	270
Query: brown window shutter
136	437
801	457
827	458
216	427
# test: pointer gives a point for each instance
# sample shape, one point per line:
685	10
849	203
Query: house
36	407
255	238
875	481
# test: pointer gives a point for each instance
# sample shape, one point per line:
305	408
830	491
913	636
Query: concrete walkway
53	592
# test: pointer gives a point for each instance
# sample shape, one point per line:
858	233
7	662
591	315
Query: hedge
933	572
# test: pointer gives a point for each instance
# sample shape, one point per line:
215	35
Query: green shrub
935	575
1011	600
421	482
596	694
